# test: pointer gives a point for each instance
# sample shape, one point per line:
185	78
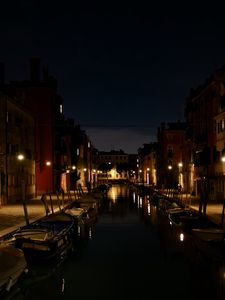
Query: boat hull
47	238
13	265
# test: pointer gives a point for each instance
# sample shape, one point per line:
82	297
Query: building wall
203	104
171	139
113	158
17	137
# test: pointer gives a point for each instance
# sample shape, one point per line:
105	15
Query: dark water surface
130	254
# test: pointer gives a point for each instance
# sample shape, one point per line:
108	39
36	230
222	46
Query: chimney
35	69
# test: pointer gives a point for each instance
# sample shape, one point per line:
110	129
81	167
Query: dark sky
122	67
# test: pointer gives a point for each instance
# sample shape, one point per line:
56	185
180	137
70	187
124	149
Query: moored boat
184	218
210	242
47	238
85	215
209	234
12	265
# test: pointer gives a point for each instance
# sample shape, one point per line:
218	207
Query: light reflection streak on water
139	202
149	209
116	192
112	194
78	230
134	197
90	232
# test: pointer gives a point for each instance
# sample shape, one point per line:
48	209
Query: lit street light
20	157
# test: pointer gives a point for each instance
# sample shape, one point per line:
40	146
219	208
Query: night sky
122	67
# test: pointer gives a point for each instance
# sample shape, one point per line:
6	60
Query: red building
40	97
171	139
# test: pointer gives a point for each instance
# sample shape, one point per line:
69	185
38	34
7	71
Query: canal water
130	253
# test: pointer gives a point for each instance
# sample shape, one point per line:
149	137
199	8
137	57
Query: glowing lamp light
20	156
48	163
180	164
223	159
170	167
181	237
73	167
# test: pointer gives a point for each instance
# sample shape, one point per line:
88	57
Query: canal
130	253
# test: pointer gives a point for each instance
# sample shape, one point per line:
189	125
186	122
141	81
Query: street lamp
180	178
21	158
48	163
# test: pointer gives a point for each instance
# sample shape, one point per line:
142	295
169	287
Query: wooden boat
12	265
209	234
210	242
166	206
85	215
187	219
183	218
88	203
46	238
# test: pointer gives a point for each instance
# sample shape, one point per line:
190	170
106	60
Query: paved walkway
214	210
12	216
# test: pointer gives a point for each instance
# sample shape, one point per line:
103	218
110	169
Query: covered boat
46	238
12	265
209	234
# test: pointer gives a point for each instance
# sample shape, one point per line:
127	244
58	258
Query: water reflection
207	279
130	252
118	191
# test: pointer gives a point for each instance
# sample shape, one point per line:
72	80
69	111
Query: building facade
204	115
169	165
147	164
17	151
112	166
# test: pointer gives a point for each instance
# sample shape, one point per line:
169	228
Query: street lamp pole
23	189
24	201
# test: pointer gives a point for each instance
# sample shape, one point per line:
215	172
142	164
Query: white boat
85	215
12	265
75	212
209	234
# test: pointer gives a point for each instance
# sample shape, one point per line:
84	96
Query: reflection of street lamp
147	175
140	176
180	179
20	157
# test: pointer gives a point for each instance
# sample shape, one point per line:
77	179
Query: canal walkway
12	216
